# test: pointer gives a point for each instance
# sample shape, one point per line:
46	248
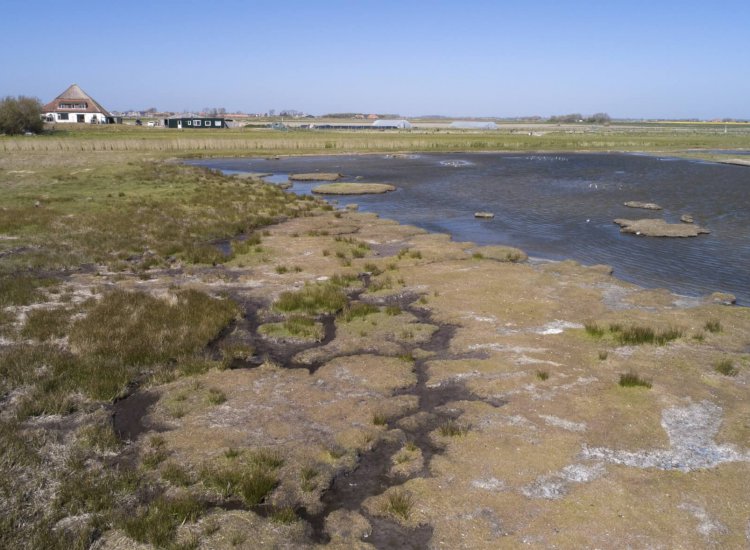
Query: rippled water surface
561	206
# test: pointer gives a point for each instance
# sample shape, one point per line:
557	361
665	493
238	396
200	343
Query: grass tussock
157	523
357	310
250	476
284	516
713	325
313	299
726	367
399	503
633	380
451	428
633	335
295	326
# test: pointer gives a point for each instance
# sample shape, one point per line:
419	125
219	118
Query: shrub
21	114
631	379
542	375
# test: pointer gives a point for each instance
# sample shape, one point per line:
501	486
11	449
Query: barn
197	122
75	105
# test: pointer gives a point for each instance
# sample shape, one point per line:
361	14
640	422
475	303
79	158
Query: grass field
185	143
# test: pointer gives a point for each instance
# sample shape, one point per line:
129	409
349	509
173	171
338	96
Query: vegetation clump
296	326
251	479
139	329
20	115
631	380
313	299
726	367
399	503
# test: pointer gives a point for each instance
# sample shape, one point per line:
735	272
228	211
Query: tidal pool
559	206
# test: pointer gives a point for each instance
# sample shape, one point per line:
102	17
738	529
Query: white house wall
73	117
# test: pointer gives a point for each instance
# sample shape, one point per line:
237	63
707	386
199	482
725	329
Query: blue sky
671	59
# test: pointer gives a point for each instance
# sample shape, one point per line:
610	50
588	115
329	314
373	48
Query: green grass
313	299
284	516
357	310
296	326
593	329
46	324
215	396
158	522
542	375
308	476
22	290
139	329
379	419
713	325
726	367
633	334
176	474
632	380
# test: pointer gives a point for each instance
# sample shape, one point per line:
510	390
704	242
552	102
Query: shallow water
561	206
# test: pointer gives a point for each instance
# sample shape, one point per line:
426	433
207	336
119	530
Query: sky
631	59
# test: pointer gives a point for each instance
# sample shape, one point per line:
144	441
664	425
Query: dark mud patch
388	535
280	352
128	415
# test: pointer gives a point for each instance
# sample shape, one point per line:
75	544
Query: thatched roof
75	95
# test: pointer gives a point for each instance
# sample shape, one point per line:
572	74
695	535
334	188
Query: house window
217	123
62	116
74	105
189	122
196	123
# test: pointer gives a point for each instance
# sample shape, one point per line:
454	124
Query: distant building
75	105
372	117
385	123
182	122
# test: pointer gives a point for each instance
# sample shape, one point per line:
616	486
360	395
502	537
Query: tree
21	114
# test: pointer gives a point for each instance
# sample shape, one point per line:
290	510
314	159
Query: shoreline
687	294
